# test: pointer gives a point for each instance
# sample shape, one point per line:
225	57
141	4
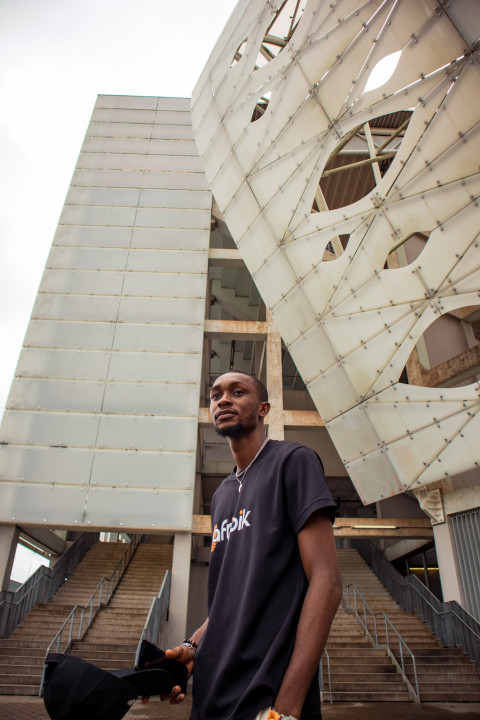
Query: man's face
235	407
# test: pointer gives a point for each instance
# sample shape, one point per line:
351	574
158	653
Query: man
274	585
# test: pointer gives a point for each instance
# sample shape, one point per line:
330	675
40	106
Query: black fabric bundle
75	689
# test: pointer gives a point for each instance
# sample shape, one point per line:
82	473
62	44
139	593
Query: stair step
23	647
359	696
349	685
13	668
118	660
353	678
12	689
349	652
449	696
23	679
358	665
21	660
105	650
458	678
429	654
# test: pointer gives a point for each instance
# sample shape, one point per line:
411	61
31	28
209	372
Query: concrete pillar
276	429
447	563
9	535
177	620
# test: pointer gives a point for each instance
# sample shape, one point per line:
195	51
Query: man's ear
264	409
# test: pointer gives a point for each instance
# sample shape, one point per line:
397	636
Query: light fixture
374	527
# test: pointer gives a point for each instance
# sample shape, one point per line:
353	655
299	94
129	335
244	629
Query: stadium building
299	226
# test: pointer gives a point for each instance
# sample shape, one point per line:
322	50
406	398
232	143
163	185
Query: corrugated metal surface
466	530
100	428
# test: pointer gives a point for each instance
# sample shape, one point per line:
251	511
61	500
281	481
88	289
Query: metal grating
466	530
476	329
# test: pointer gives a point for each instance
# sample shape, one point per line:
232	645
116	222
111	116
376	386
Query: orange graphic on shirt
214	544
228	527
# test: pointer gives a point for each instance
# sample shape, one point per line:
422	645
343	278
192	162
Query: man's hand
183	654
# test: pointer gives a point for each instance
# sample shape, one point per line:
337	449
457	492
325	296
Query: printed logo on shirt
228	526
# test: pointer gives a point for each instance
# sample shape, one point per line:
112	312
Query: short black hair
262	391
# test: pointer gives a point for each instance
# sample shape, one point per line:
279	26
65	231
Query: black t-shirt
256	584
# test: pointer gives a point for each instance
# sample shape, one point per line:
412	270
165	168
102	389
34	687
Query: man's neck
245	447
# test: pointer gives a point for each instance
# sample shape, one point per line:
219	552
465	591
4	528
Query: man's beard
232	431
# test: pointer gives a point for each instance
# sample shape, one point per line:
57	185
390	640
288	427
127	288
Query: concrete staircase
358	671
112	640
22	654
362	673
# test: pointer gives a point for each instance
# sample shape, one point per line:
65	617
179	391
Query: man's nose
224	400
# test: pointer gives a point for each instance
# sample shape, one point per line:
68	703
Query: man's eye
214	396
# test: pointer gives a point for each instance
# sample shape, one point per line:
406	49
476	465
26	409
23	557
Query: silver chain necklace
240	475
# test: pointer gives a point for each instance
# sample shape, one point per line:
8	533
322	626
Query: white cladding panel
351	323
100	428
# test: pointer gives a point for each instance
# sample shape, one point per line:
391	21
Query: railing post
70	633
80	624
90	613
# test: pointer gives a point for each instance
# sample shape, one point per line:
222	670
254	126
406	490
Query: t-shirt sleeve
305	487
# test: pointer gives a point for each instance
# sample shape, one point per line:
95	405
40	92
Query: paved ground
19	708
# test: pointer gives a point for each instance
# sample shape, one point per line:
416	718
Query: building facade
154	286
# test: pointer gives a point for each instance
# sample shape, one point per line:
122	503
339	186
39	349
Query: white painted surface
100	428
350	324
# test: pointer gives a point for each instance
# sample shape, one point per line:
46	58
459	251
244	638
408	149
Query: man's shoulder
287	447
293	453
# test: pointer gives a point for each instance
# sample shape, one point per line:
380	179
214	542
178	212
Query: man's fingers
175	696
177	699
174	654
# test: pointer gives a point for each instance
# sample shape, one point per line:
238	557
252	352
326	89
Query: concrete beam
225	257
290	418
354	527
45	539
202	524
348	532
274	381
240	329
302	418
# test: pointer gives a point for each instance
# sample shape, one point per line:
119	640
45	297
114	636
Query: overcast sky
56	56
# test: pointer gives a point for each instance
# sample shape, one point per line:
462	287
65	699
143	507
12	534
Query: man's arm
317	551
185	655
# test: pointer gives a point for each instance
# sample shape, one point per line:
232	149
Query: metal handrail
451	623
320	673
366	608
401	666
446	612
40	586
375	640
100	596
157	615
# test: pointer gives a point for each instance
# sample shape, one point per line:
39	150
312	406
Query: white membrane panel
100	429
267	117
